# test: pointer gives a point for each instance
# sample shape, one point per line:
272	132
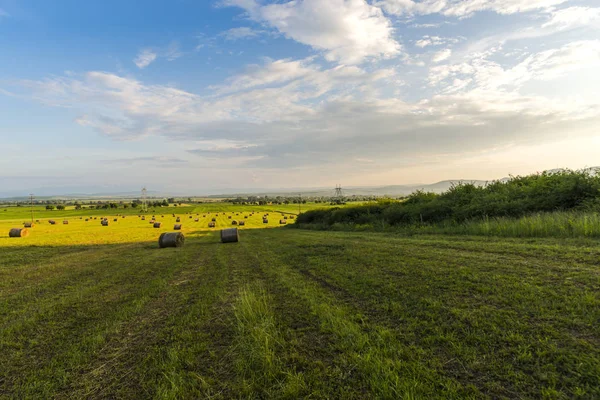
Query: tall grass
556	224
560	224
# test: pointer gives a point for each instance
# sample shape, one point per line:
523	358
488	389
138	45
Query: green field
100	312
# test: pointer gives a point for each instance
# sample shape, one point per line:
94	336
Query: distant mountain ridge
387	190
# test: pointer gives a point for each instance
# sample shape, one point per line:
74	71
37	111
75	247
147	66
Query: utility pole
31	201
300	205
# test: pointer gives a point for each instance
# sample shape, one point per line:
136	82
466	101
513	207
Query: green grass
100	312
560	224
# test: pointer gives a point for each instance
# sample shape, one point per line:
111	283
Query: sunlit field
91	311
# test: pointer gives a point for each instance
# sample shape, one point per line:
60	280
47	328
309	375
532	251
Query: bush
514	197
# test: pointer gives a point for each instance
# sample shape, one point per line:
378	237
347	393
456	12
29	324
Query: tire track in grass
468	326
52	275
380	366
147	346
43	351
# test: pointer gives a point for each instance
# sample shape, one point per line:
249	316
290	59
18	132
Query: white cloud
464	8
348	31
436	41
243	32
572	17
441	56
145	58
542	66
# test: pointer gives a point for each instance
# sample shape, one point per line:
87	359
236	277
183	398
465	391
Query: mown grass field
100	312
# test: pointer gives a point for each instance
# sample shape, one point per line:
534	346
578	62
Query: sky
197	96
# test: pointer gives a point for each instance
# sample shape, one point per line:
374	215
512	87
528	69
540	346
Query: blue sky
197	96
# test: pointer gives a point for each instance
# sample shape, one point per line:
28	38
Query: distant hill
389	190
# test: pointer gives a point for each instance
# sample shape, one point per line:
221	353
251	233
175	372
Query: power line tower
339	195
144	198
31	202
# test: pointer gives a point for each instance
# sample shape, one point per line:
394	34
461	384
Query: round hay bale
178	219
212	225
284	217
282	222
86	220
245	216
265	221
291	217
27	224
229	235
190	217
242	223
177	227
115	220
18	232
214	220
234	222
229	217
52	222
104	223
65	222
171	239
156	225
196	220
143	218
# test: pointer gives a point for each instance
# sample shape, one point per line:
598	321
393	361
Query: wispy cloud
162	161
464	8
243	32
441	55
144	58
4	13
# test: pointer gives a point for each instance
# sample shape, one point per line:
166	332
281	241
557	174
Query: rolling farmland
91	311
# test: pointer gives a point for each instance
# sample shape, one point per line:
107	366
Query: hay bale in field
284	217
177	227
65	222
115	220
242	223
52	222
214	220
156	225
196	220
178	219
265	220
245	216
282	222
18	232
143	218
229	217
152	222
229	235
123	216
190	217
171	239
212	224
86	220
104	223
291	217
27	224
234	222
